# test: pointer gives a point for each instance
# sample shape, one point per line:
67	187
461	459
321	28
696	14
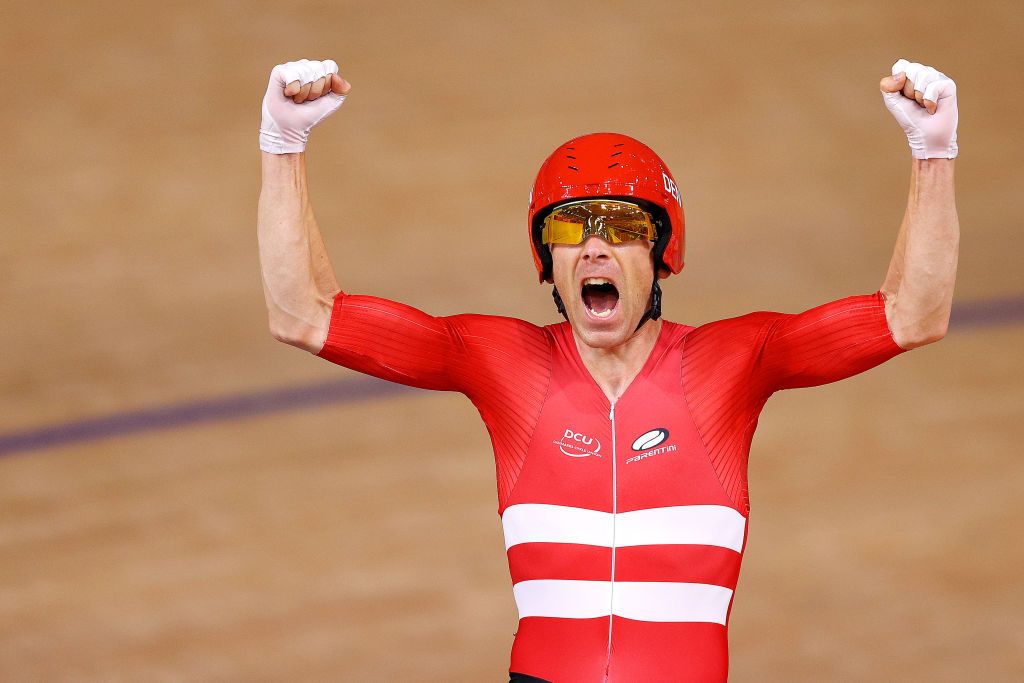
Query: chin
601	337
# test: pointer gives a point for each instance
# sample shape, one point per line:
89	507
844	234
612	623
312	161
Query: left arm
918	287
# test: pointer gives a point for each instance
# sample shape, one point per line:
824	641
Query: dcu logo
577	445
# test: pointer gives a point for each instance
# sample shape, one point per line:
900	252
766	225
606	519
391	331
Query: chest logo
650	439
577	445
650	443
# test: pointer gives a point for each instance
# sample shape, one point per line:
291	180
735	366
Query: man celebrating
620	440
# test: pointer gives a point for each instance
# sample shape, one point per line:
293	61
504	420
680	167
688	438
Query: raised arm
298	280
919	284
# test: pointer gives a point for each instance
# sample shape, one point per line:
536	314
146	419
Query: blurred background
181	498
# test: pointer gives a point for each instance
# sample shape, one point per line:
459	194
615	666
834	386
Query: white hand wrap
931	136
286	125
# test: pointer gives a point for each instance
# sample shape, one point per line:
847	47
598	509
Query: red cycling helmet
615	166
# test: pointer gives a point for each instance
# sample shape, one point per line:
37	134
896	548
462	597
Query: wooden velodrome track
264	519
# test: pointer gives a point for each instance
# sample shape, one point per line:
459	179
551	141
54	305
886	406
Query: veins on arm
918	286
298	280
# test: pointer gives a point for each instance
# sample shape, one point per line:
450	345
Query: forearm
298	280
895	272
919	284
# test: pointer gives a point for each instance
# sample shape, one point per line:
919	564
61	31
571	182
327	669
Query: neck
615	368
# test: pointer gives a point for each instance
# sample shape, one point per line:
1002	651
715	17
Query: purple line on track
988	313
196	412
985	313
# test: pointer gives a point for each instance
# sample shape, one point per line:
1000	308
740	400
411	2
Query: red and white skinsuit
625	524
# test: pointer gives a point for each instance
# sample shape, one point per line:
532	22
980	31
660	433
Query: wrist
931	175
933	167
287	169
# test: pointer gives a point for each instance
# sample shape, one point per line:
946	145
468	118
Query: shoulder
500	360
675	332
742	329
479	324
495	331
740	323
728	343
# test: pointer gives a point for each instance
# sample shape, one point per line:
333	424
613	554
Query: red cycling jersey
624	523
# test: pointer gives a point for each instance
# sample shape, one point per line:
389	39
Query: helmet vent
621	144
615	154
574	168
569	156
613	165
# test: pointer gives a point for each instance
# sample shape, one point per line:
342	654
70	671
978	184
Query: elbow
303	336
302	322
914	337
912	326
284	334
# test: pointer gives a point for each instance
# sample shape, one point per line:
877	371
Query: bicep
399	343
824	344
391	341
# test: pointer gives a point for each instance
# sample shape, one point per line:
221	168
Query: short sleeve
399	343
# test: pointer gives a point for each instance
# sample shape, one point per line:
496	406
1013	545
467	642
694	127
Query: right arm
305	305
298	280
386	339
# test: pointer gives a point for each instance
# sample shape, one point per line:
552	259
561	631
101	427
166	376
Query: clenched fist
923	102
300	95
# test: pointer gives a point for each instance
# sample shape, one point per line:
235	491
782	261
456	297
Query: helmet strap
654	312
558	302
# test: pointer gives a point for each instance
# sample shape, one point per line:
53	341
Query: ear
663	273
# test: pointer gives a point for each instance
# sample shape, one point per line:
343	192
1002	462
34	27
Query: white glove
923	102
286	125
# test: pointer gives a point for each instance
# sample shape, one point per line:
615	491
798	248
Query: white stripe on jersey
642	601
715	525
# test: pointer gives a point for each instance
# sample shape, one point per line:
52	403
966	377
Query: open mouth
600	296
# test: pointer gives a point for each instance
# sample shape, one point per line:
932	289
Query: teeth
596	281
602	314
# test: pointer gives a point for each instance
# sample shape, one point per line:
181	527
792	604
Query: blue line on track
985	313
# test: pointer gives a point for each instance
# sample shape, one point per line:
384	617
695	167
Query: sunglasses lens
562	230
614	221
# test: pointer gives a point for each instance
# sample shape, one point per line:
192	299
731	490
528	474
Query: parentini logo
649	445
650	439
577	445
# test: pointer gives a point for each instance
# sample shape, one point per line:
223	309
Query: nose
595	248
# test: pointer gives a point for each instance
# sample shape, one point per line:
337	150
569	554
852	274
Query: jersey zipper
615	509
